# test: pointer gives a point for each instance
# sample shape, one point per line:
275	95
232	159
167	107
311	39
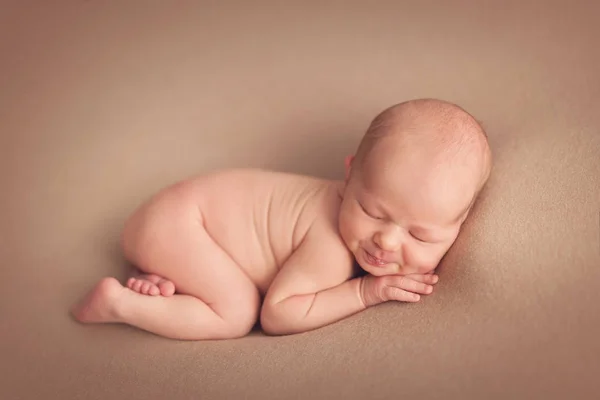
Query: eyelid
418	239
366	212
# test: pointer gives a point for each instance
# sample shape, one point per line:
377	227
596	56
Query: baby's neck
339	186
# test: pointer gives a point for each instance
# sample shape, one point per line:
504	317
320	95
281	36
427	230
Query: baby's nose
389	239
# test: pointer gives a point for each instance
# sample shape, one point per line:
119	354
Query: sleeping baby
219	252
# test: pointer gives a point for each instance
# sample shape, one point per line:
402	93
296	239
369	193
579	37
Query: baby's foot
99	304
151	284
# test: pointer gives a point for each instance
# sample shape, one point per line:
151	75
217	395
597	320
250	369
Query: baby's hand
379	289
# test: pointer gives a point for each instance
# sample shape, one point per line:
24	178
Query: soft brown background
104	102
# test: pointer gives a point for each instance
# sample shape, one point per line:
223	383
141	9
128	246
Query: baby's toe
167	288
134	284
137	285
153	291
146	286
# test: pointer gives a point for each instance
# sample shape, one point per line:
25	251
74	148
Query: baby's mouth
372	260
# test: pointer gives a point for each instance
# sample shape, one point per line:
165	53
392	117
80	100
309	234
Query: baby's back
258	217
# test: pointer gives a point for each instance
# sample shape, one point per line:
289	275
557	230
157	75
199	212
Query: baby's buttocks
257	217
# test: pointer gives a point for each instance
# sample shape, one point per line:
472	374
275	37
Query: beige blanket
104	102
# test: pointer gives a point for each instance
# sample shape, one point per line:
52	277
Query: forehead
417	187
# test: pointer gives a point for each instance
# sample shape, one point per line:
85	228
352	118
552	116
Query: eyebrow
428	232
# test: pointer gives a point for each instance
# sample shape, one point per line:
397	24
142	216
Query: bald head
448	134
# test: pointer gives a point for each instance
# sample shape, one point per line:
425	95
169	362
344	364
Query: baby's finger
424	278
397	294
409	284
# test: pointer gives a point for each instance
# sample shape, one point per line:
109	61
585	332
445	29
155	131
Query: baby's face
400	215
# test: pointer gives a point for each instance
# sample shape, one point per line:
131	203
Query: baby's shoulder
323	243
325	227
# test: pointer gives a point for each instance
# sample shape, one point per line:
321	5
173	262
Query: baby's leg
215	299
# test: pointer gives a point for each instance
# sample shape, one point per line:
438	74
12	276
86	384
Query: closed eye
418	238
366	212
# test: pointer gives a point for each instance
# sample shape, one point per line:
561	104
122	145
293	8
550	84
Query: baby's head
411	185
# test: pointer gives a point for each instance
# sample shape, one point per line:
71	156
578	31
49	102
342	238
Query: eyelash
417	239
365	211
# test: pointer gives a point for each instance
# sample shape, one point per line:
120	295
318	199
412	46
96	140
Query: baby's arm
312	289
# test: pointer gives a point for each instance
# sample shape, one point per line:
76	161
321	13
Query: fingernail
417	297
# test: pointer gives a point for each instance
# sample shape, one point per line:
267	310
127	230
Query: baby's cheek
422	259
347	226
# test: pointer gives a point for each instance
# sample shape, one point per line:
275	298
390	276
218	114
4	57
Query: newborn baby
223	250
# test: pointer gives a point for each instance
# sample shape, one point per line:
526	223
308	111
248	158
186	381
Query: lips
372	260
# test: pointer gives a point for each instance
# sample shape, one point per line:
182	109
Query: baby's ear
348	164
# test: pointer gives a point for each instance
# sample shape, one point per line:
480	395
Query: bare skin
222	250
151	284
